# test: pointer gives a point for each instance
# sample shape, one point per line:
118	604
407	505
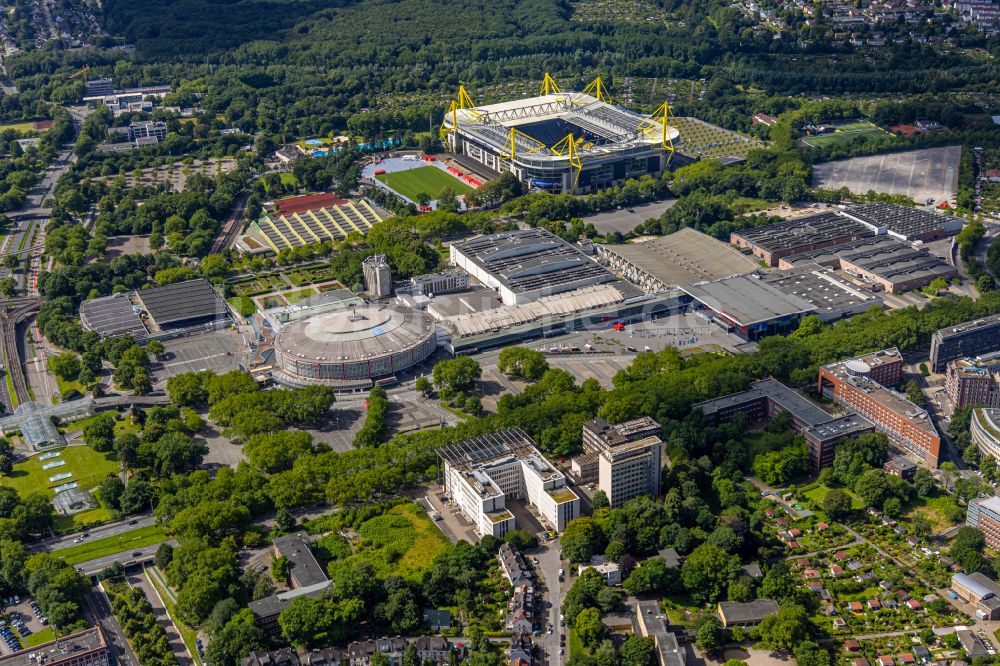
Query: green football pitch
427	179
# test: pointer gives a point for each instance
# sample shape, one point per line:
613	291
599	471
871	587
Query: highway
108	530
99	609
127	558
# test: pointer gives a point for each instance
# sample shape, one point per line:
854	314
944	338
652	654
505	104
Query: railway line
14	311
232	227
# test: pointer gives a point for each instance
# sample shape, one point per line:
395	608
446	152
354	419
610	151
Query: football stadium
562	141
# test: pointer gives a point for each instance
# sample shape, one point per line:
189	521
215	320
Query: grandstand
277	232
562	141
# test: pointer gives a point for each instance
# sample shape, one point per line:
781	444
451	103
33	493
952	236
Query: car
137	553
561	652
132	522
44	621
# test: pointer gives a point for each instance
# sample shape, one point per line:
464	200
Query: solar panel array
183	303
315	226
112	316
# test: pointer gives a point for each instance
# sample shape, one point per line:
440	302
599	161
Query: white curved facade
985	431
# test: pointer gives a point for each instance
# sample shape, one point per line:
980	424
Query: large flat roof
897	264
791	401
904	220
530	259
968	327
803	232
831	255
61	650
821	287
747	300
845	425
182	303
684	257
486	448
111	316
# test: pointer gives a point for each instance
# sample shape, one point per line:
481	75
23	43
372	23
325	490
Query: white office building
481	474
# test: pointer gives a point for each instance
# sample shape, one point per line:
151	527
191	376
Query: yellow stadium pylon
510	151
549	85
656	126
464	102
595	88
567	147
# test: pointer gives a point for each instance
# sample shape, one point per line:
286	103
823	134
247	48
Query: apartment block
861	384
482	473
984	514
974	382
629	457
968	339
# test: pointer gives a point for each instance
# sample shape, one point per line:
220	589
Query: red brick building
861	384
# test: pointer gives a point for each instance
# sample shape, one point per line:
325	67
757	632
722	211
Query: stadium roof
111	316
684	257
183	304
747	300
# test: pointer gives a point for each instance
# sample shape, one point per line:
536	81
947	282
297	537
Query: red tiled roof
293	205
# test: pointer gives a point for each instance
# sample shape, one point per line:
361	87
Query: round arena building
353	345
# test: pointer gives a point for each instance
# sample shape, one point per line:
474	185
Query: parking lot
218	351
613	350
929	173
22	620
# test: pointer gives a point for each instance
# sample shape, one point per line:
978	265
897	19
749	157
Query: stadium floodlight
567	147
464	102
656	126
596	89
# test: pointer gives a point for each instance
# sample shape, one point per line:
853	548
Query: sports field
847	133
427	179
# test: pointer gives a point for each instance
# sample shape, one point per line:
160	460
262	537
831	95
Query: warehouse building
772	242
979	590
971	338
483	473
523	266
749	307
157	312
831	297
861	385
904	222
896	269
830	256
683	257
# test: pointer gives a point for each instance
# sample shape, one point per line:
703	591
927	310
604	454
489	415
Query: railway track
14	311
232	227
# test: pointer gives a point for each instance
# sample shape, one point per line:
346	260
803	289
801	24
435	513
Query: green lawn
847	133
426	179
294	297
575	644
122	426
819	491
28	126
88	467
403	541
288	179
44	636
89	550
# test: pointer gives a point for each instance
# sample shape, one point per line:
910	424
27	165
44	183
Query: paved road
107	530
624	221
127	558
99	610
137	578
